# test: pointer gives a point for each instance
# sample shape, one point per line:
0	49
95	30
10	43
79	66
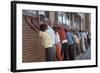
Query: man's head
43	27
41	17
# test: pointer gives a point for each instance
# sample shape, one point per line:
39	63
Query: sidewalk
84	56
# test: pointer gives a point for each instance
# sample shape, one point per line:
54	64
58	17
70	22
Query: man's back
70	38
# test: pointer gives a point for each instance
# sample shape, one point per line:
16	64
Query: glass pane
29	12
41	13
59	18
67	21
64	19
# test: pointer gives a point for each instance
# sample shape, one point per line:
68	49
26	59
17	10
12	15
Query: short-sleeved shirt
62	34
57	37
70	38
45	39
51	33
79	34
76	38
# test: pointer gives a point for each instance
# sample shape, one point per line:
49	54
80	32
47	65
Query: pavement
84	56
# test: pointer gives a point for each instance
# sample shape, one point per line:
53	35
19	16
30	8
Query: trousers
50	53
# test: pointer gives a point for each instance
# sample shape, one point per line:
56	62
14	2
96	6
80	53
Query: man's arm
35	21
28	21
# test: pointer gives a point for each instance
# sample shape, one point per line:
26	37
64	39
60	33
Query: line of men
60	42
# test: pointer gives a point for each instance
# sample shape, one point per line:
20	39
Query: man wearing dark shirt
71	45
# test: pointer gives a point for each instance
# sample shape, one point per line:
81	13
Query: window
36	13
45	13
60	17
63	17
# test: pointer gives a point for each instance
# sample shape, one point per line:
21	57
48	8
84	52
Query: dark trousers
89	42
86	43
63	49
81	48
69	53
71	50
50	53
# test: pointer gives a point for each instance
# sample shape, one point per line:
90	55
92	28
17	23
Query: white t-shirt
57	38
51	33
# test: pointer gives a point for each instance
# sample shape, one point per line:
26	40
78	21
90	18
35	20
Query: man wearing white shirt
50	31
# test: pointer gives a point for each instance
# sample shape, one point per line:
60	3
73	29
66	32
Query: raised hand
32	23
